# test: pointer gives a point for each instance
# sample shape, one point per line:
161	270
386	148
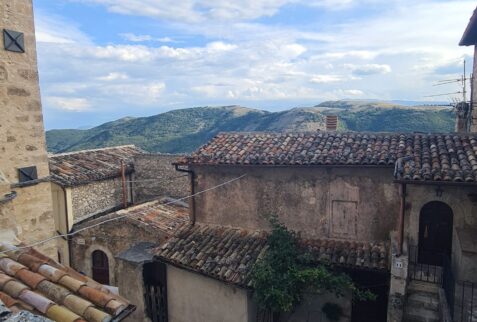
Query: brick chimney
462	110
331	122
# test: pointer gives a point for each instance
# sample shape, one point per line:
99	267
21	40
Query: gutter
68	238
192	190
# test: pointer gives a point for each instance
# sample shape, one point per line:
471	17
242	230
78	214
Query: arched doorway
435	232
100	267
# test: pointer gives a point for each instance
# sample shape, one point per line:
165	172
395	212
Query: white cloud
354	92
129	36
322	79
136	38
369	69
113	76
70	104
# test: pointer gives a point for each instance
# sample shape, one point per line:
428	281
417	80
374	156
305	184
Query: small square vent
14	41
27	174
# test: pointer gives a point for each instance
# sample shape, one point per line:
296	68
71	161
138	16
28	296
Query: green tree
286	271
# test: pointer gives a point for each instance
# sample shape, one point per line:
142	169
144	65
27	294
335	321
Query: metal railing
465	302
419	271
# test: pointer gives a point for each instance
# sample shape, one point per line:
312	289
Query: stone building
25	193
154	176
88	183
406	199
116	252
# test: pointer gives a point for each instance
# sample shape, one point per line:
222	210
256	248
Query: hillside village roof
426	157
228	254
157	215
33	282
469	37
82	167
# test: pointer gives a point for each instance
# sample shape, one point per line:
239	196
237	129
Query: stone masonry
22	138
155	176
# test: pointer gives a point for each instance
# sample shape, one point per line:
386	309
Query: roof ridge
52	155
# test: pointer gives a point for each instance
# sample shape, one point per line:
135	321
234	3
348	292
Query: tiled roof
81	167
432	157
157	215
228	254
33	282
369	255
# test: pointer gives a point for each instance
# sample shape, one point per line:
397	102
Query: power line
119	217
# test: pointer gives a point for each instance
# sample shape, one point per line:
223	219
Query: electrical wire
119	217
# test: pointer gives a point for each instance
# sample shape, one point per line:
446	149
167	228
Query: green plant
332	311
286	272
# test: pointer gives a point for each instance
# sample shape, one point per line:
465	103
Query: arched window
100	267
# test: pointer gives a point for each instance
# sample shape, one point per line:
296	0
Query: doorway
100	267
435	233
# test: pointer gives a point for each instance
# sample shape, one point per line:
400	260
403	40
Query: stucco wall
22	138
97	197
194	297
347	203
155	176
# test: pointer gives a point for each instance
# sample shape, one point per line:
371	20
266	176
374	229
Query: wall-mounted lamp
439	191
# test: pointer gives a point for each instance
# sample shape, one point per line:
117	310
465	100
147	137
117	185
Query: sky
100	60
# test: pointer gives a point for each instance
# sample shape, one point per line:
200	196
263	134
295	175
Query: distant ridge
184	130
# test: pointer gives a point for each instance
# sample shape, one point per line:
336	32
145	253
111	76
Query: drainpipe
402	195
192	190
123	183
68	239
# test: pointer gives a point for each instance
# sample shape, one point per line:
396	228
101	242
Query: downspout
402	195
192	190
131	188
398	170
68	239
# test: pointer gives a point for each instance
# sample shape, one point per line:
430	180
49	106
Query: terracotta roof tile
228	254
81	167
432	157
40	284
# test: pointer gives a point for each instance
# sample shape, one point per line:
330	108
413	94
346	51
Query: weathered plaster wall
132	288
464	209
347	203
22	138
193	297
98	196
155	176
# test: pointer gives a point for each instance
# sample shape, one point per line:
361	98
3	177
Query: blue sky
101	60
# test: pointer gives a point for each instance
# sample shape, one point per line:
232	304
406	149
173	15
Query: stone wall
346	203
155	176
98	196
22	138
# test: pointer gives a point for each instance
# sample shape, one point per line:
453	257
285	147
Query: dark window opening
100	267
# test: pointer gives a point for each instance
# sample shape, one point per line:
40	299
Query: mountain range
184	130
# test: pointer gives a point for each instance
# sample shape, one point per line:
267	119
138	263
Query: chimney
462	117
331	122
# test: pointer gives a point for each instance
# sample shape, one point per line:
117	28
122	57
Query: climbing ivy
286	272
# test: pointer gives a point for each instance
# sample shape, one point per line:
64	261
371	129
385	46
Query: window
100	267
